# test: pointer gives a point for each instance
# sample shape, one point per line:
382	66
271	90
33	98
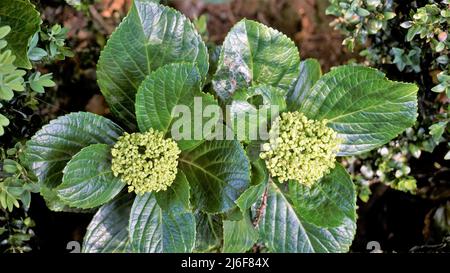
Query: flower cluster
145	161
300	149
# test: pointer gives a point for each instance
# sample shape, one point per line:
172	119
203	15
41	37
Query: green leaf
254	54
25	198
362	12
250	196
153	230
209	232
54	203
254	108
4	121
168	87
439	88
37	54
10	166
283	229
218	172
176	198
437	130
38	82
447	156
362	106
53	146
310	73
234	214
88	181
439	47
259	179
161	91
413	31
149	37
11	190
239	236
24	21
107	231
4	30
328	202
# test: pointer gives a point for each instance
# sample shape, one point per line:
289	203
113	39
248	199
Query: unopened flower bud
306	150
145	161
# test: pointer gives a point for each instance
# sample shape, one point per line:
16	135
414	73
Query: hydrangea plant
205	194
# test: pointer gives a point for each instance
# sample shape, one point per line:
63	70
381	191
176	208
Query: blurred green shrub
412	38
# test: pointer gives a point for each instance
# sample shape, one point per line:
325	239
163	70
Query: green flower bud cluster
300	149
145	161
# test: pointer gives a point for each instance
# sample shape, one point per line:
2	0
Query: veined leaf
161	91
254	54
107	231
239	236
283	229
24	21
149	37
176	198
171	86
328	201
88	181
153	230
49	150
218	172
253	109
310	73
209	232
54	203
362	106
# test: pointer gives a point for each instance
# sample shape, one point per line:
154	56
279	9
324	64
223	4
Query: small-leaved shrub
411	43
25	46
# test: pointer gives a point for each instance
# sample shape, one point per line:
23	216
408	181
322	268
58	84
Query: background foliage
408	40
414	162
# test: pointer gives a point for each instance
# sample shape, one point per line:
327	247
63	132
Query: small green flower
300	149
145	161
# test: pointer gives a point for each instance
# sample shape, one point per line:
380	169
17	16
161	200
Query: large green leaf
49	150
153	230
283	229
149	37
24	21
328	201
107	231
161	91
218	172
239	236
252	110
254	54
310	73
366	109
209	232
174	85
88	181
176	198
